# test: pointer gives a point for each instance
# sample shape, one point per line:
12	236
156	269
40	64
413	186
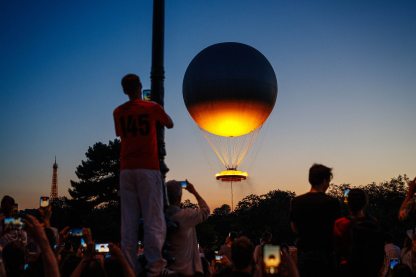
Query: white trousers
141	193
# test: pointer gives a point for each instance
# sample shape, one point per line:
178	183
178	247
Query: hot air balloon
229	90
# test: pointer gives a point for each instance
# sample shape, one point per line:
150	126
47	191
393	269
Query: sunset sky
346	73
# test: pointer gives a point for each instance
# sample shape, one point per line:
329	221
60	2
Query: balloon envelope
229	89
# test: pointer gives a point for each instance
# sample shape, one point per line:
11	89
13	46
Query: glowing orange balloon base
231	175
230	118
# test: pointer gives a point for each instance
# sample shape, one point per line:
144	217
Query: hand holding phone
147	95
271	258
393	263
83	243
44	201
218	257
190	188
13	223
346	192
115	251
102	248
184	184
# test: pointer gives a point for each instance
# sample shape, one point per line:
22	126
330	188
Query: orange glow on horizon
230	118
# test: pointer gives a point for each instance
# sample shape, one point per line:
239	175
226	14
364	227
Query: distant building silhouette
54	187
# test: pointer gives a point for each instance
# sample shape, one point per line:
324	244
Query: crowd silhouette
328	242
355	246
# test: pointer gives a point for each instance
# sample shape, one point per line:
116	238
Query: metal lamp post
157	74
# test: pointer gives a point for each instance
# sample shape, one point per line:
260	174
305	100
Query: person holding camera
182	241
266	238
241	263
141	184
104	259
11	227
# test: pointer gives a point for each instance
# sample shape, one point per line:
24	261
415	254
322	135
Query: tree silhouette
253	215
222	211
98	176
188	204
95	202
267	212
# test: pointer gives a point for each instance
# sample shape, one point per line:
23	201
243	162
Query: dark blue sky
346	73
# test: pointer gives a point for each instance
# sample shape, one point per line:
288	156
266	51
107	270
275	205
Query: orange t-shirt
135	122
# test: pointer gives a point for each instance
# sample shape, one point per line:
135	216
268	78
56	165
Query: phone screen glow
102	248
271	257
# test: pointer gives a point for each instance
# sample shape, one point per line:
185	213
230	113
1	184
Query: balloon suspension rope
232	200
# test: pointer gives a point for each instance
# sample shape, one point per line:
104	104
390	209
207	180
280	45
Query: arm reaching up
203	206
116	252
50	264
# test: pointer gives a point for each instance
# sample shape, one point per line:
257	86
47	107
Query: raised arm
88	254
168	123
203	206
50	264
162	117
127	269
46	213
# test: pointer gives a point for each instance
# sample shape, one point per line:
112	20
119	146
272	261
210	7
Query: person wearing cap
141	184
182	242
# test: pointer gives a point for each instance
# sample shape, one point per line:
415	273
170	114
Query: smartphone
394	262
271	258
147	95
44	201
8	223
83	243
218	257
346	192
184	184
75	232
13	223
102	248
